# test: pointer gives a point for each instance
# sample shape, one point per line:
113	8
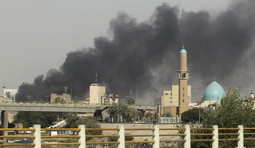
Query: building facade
110	99
176	101
183	76
64	98
96	92
10	93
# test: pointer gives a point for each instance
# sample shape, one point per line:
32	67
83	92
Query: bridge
53	107
46	107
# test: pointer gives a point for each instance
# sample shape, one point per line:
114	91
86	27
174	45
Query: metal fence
153	136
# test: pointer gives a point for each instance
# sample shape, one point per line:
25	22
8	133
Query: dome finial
183	51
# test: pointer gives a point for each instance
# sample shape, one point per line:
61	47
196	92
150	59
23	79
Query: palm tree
122	113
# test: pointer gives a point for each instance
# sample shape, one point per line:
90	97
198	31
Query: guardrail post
156	136
187	143
82	134
215	137
121	139
37	134
240	143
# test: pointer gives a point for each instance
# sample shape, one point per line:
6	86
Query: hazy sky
36	35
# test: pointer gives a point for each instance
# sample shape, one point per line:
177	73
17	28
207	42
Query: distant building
96	91
169	120
110	99
64	98
10	93
176	101
127	100
170	100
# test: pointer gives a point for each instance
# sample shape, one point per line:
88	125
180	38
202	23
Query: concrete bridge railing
154	136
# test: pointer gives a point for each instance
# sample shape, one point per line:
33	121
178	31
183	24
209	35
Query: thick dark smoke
144	57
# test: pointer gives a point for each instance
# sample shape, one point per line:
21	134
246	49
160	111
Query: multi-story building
176	101
96	91
170	100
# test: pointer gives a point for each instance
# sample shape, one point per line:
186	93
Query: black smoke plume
144	57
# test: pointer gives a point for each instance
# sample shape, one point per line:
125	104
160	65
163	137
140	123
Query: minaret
183	76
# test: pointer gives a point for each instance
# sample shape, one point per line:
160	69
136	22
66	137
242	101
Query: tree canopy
45	119
231	112
89	122
121	113
194	115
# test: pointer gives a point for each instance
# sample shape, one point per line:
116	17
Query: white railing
186	135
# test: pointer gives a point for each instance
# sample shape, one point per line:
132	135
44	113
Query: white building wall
10	93
95	93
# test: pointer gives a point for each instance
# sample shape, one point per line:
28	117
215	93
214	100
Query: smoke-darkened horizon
144	56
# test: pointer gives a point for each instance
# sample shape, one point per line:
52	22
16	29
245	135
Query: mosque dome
213	92
183	51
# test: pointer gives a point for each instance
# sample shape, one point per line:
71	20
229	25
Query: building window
183	75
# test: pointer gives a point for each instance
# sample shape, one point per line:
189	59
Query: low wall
142	132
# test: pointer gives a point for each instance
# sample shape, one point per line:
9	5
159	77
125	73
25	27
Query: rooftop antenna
180	9
96	77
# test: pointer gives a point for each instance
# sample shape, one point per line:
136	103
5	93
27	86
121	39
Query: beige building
64	98
170	100
176	101
96	92
109	99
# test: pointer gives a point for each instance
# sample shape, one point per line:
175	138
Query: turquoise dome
213	92
183	51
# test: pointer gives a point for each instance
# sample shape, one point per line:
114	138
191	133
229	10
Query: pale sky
36	35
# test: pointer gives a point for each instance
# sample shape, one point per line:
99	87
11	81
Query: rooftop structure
213	92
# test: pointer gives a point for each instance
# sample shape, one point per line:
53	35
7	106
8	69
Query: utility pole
71	90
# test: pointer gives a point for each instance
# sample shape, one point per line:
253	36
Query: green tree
194	115
149	117
121	113
166	115
45	119
231	112
59	100
90	122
